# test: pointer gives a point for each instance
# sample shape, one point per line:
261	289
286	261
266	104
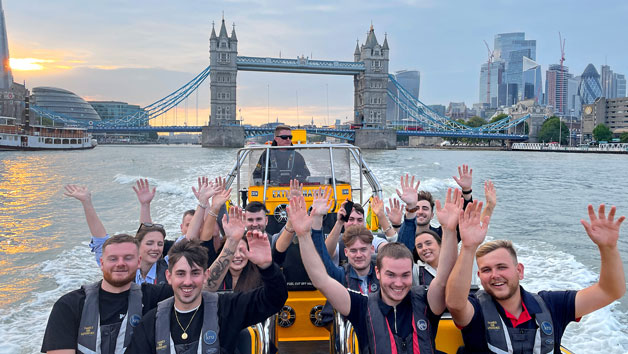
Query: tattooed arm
234	230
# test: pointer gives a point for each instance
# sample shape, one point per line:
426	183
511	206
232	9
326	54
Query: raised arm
395	215
145	196
218	200
337	294
287	233
491	199
203	194
465	181
331	242
234	230
604	232
409	194
448	218
378	208
472	232
82	194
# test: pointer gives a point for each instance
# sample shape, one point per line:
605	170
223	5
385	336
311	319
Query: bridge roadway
344	134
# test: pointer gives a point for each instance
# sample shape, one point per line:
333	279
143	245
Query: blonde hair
495	245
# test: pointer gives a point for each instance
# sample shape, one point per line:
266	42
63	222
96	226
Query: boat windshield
310	165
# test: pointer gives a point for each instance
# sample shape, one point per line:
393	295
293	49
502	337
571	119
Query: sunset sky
140	51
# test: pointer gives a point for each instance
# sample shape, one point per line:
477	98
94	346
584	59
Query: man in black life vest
504	318
200	321
397	318
101	317
283	164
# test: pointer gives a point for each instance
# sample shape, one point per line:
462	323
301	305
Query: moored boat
14	136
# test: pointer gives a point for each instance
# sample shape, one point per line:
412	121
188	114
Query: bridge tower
370	85
222	130
223	51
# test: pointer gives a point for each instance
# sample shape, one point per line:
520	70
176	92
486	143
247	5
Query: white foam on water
26	323
165	187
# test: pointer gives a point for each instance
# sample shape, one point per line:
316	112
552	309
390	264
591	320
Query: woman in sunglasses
151	237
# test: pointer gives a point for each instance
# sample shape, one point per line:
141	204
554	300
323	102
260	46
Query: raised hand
321	202
201	182
490	193
603	231
395	212
234	226
472	228
341	213
259	249
142	189
296	188
221	197
297	213
78	192
409	191
449	213
466	177
377	205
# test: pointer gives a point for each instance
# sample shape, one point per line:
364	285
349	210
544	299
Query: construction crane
562	73
488	74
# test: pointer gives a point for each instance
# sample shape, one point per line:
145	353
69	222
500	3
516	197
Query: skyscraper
6	78
606	81
556	86
619	85
497	71
590	87
511	48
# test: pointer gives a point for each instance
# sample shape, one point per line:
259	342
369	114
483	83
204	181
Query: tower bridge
369	70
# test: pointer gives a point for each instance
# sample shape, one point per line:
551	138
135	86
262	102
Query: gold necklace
184	335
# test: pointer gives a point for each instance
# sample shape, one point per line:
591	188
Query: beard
512	290
108	277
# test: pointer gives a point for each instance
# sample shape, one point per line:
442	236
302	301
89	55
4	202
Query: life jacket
424	274
380	337
508	340
210	343
112	338
354	283
161	272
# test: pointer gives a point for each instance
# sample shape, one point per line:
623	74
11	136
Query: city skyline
139	52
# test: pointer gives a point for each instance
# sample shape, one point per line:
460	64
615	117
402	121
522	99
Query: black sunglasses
285	137
148	224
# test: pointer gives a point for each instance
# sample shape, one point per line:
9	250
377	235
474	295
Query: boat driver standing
504	318
284	164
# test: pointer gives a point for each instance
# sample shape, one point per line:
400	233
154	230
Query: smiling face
119	263
239	258
500	274
151	247
424	214
395	279
359	254
428	249
187	283
256	220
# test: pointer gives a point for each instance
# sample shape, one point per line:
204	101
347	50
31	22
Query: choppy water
541	198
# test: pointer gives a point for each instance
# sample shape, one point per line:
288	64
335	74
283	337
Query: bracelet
287	229
396	226
210	212
204	206
467	192
388	228
412	210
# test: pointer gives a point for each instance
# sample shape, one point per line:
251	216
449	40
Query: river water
541	198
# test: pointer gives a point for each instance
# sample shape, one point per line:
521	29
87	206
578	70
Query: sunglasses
284	137
148	224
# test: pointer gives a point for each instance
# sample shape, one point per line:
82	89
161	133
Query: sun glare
28	64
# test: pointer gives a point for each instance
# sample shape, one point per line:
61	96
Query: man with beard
397	318
504	318
199	321
100	317
284	164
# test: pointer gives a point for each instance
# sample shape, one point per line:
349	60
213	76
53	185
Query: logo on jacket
135	320
492	325
546	327
373	288
421	325
210	337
